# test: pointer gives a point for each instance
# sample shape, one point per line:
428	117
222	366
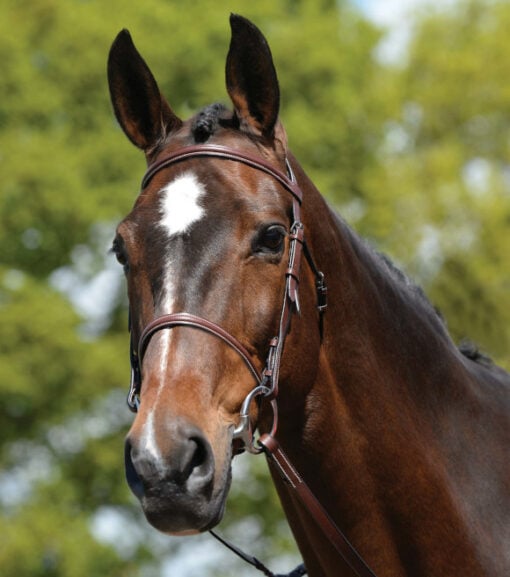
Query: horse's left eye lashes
116	246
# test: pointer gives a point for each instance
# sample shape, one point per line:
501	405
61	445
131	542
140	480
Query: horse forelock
209	119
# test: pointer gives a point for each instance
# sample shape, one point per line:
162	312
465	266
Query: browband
218	151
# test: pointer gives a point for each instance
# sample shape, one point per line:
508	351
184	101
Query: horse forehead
182	201
181	204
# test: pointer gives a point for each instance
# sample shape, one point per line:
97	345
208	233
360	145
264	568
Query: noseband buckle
244	431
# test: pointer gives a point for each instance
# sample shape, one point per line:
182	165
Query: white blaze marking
180	206
179	209
165	347
149	442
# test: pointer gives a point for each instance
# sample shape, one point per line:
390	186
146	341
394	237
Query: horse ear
251	79
141	110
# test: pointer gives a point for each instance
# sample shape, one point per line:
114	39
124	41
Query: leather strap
189	320
218	151
334	534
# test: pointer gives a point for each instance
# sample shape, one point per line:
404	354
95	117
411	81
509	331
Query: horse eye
271	239
120	253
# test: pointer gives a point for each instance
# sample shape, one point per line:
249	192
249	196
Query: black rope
299	571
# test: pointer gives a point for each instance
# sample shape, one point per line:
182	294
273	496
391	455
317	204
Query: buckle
244	430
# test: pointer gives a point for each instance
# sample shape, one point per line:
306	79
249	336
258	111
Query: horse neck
379	328
367	423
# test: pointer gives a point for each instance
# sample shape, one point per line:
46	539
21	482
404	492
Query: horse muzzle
179	490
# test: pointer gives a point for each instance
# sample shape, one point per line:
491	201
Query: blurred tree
439	197
417	158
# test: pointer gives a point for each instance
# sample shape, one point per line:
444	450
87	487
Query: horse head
208	238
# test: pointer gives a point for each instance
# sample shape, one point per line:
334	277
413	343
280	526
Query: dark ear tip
123	38
238	22
234	19
125	34
122	49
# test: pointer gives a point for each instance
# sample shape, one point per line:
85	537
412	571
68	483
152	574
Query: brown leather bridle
267	382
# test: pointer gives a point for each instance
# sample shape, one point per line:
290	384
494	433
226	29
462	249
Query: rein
267	382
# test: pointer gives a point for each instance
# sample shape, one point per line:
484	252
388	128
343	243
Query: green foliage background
415	155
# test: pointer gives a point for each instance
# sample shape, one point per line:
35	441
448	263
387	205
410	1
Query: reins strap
336	537
299	571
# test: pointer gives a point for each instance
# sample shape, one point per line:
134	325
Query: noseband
267	381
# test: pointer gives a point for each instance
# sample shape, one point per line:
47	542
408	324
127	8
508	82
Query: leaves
439	198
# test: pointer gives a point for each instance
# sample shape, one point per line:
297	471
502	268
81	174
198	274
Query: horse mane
471	351
404	280
466	347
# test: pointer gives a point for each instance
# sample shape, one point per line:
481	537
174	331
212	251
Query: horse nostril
186	466
200	455
132	476
199	470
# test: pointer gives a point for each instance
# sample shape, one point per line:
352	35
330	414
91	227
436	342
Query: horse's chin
184	523
185	514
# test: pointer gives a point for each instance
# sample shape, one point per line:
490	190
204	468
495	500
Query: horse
401	436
